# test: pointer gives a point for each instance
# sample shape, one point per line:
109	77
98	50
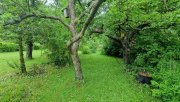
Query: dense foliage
149	30
166	83
8	47
92	44
113	49
53	40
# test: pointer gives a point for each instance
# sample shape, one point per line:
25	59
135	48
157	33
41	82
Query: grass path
105	81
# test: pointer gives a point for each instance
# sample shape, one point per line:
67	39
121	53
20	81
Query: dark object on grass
144	78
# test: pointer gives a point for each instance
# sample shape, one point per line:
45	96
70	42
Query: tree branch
95	7
138	29
97	30
71	6
85	11
115	38
172	24
12	22
91	16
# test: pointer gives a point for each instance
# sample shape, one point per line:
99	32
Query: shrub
113	49
8	47
150	57
166	83
58	58
151	48
86	50
57	52
37	46
91	44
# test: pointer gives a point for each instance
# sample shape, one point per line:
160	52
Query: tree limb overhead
17	21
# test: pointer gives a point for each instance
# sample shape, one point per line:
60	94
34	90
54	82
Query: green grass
13	57
105	81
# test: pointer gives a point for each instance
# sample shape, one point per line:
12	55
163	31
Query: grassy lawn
105	81
13	57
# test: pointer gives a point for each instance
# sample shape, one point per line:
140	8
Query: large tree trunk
76	61
21	59
29	50
74	43
126	51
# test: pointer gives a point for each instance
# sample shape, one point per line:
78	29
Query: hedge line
8	47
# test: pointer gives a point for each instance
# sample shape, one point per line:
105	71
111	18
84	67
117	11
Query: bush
86	50
150	57
151	48
8	47
57	52
91	44
58	58
37	46
166	83
113	49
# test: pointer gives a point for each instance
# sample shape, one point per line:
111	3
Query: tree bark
76	61
126	56
29	49
21	59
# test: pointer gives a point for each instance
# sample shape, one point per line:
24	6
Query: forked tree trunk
76	61
74	43
29	50
21	59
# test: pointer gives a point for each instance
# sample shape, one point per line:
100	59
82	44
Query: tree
29	39
76	34
130	19
74	42
8	13
21	56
